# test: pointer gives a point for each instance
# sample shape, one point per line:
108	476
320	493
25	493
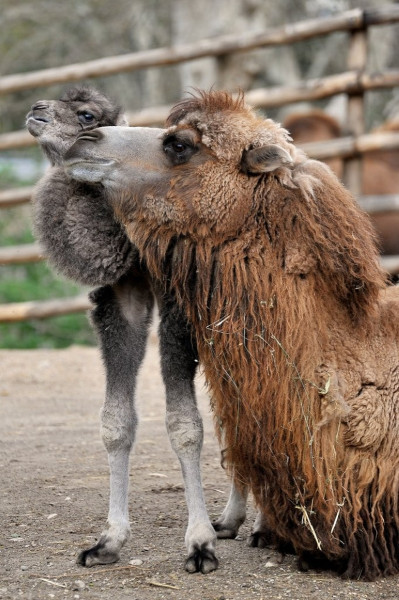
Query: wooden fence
355	82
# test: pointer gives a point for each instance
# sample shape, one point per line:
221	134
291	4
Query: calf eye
86	117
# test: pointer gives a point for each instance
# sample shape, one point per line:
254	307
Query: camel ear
265	159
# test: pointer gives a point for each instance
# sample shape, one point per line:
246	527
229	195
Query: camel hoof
259	539
223	532
202	559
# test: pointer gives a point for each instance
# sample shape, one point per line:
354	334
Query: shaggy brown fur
278	272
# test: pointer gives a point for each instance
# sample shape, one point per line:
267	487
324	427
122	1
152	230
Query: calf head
56	123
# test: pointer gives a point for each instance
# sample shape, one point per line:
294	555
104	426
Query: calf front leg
185	430
121	318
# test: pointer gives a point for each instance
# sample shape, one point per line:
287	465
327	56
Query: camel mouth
92	170
35	124
34	117
40	119
93	162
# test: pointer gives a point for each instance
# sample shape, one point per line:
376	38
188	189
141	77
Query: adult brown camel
277	270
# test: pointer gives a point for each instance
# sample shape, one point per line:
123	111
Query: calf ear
265	159
122	120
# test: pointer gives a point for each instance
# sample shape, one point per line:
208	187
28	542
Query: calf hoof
97	555
202	559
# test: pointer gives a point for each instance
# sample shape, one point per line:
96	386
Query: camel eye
178	147
179	150
86	117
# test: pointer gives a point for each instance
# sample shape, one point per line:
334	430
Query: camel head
198	174
56	123
117	161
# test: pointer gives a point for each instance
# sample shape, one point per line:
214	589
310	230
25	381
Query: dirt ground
54	494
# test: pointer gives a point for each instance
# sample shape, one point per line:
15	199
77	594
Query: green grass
36	281
57	332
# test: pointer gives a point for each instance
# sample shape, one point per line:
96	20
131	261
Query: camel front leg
185	430
121	318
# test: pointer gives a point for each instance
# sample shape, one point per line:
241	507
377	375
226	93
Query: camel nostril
40	105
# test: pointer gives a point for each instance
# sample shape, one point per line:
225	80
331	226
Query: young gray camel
83	241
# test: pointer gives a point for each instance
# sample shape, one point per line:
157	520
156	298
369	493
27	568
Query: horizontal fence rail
379	204
351	82
346	147
25	253
390	264
354	82
43	309
9	198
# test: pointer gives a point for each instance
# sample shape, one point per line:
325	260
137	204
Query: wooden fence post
357	60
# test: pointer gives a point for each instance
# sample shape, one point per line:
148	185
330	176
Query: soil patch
54	496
